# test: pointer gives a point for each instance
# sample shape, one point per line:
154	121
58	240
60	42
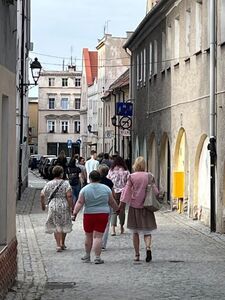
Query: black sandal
148	255
137	257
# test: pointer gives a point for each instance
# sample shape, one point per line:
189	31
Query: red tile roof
91	65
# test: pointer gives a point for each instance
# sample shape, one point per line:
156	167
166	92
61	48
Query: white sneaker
98	261
86	258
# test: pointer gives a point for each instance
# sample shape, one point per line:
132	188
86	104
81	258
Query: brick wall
8	267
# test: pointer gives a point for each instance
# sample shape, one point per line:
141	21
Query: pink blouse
119	178
135	189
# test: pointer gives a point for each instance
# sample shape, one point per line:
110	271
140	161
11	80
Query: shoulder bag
54	192
151	202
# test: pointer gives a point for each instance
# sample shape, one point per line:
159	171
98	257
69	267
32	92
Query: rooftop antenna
106	27
71	58
63	64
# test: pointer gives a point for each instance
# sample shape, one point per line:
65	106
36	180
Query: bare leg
148	241
57	236
97	242
63	237
88	242
136	243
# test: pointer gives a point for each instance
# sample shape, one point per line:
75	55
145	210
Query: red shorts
95	222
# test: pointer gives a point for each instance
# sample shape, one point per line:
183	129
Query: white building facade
59	111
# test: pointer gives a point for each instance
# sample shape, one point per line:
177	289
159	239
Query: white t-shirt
91	165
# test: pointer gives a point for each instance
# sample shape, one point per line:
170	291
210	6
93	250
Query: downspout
123	141
212	131
21	84
115	141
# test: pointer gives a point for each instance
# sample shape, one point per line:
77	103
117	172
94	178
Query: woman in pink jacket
140	220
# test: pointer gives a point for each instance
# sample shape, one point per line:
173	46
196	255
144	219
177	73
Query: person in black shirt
74	178
62	161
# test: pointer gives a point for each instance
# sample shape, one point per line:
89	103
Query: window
177	41
51	126
77	126
77	103
64	81
77	82
138	69
144	66
141	68
155	57
163	51
222	21
169	45
150	60
198	25
188	32
64	126
51	82
64	103
51	103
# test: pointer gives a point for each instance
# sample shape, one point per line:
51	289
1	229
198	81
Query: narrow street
188	261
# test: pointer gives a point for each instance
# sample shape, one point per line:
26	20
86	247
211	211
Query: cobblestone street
188	262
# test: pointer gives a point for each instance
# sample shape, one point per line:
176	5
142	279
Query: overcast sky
62	27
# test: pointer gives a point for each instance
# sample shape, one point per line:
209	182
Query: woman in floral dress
59	195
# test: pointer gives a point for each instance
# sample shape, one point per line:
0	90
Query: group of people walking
110	188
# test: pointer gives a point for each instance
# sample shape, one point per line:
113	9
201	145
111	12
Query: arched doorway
201	205
165	167
180	165
153	156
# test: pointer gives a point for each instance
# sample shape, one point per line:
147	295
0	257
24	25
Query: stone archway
201	203
180	164
165	167
153	156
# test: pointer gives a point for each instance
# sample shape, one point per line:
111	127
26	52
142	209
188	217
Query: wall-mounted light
35	67
89	130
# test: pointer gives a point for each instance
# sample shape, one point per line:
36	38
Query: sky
62	28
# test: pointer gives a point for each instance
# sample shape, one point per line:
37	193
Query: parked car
50	168
42	161
34	161
46	165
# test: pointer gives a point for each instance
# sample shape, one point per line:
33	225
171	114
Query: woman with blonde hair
140	219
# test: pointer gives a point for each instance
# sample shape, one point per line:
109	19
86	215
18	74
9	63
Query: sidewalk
188	262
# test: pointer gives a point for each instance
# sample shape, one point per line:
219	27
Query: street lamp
113	119
89	130
35	70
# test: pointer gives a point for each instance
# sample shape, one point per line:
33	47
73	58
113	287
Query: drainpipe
20	181
115	141
123	141
212	140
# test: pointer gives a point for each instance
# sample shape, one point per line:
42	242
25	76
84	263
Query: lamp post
89	130
35	67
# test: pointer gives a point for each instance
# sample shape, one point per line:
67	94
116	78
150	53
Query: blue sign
69	143
124	109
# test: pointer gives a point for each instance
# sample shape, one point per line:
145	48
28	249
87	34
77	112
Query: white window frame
144	66
77	126
50	125
155	63
75	100
198	25
138	68
51	99
63	99
163	64
176	40
63	126
169	45
141	67
150	60
188	33
222	21
77	82
64	81
51	81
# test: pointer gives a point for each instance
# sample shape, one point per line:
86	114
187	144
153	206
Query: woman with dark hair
62	161
118	173
59	195
96	199
74	177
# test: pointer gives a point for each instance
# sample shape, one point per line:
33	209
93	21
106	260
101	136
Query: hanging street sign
69	144
124	109
125	132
